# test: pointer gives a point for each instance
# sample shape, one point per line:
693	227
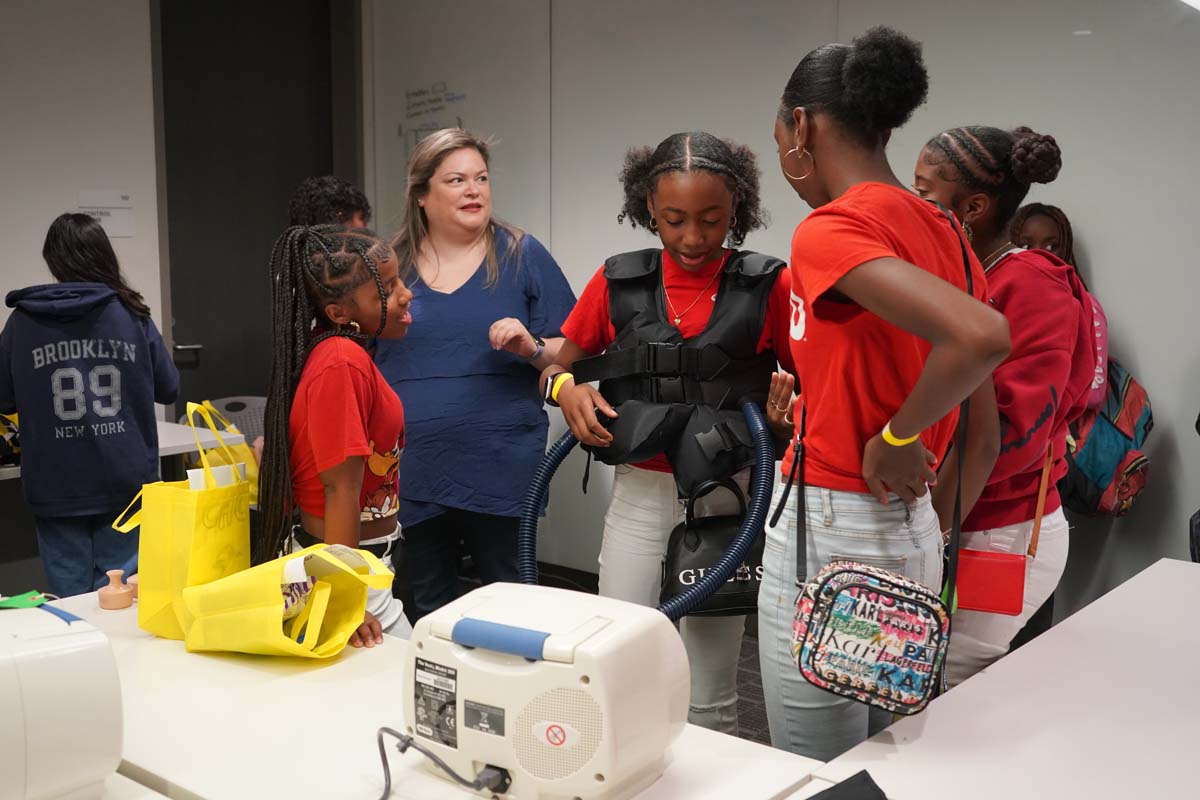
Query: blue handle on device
499	638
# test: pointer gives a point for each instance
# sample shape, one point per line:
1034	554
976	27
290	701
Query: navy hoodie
84	374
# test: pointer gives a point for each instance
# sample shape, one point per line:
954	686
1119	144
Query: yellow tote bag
188	538
243	613
242	453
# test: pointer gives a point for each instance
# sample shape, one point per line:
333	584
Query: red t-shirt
344	408
590	327
856	369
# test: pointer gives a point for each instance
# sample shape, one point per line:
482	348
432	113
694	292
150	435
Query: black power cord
494	779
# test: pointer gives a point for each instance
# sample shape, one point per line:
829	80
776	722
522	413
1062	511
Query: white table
173	440
1103	705
118	787
813	787
220	726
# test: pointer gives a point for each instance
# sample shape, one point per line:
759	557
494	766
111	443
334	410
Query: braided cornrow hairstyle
1055	214
1001	164
310	268
686	152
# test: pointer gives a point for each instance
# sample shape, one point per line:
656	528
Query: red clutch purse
995	582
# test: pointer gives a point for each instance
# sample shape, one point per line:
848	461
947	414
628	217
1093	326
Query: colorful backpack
1106	468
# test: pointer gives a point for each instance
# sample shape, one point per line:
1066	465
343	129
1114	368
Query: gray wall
1124	104
1113	80
75	86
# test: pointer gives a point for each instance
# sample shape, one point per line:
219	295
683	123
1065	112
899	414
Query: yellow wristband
559	380
894	440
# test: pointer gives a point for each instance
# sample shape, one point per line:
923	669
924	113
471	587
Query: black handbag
695	546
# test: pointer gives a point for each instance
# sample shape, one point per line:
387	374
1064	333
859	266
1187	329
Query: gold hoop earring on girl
803	151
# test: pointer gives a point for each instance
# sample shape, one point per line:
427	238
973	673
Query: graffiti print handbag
869	634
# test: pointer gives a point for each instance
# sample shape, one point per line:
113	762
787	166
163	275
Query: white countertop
1103	705
226	726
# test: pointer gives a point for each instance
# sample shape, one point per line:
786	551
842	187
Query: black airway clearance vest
682	396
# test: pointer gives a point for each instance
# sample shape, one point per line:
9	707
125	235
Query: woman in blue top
488	301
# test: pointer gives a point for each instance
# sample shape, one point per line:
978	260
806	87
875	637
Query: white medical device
578	697
60	706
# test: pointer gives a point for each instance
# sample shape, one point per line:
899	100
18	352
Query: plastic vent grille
571	707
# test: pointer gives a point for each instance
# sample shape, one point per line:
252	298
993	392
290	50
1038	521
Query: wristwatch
541	345
548	395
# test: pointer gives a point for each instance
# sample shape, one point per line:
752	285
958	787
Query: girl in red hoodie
983	174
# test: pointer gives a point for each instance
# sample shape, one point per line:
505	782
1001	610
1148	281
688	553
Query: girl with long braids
982	174
695	193
334	428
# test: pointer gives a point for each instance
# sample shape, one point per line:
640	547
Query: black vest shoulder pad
754	265
635	264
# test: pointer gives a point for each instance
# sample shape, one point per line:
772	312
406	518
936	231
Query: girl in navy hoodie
83	364
983	174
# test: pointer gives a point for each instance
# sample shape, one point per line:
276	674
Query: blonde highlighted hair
424	161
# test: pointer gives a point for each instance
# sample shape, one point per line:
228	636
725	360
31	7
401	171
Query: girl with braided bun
694	295
334	428
982	174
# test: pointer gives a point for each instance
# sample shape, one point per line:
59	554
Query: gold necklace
671	307
988	263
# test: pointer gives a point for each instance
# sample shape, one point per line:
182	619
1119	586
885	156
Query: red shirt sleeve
776	333
827	246
339	405
589	325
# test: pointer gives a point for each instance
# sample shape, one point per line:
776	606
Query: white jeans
842	526
380	602
645	508
977	639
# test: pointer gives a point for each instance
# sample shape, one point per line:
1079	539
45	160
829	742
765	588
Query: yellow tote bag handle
313	614
380	576
209	480
221	418
135	519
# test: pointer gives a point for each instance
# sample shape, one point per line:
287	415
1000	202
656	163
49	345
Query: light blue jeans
842	526
645	508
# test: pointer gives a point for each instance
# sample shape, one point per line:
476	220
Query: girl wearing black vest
696	193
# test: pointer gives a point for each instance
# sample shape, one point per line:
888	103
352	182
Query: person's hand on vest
780	406
511	335
579	405
905	471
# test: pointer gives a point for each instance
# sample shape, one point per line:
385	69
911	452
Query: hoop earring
354	326
968	231
802	153
653	225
